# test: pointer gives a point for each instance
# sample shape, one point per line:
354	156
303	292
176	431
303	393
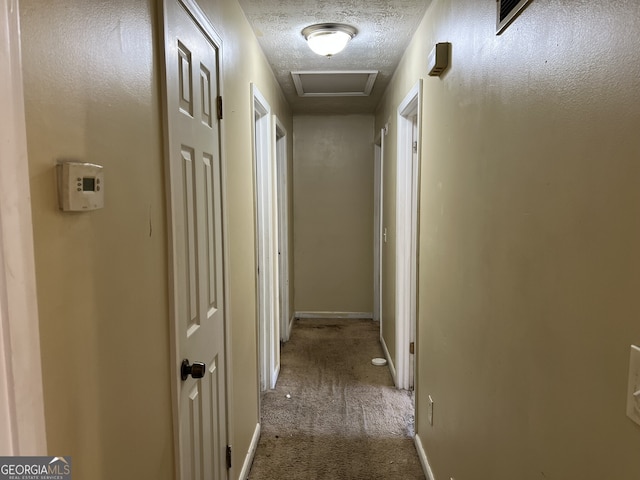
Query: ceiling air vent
334	83
508	10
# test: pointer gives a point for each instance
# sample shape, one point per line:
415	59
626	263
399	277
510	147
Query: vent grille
506	7
508	10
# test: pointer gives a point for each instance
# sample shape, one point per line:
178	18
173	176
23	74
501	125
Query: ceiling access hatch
334	83
508	10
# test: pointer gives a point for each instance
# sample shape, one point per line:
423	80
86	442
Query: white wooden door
283	228
267	243
408	121
413	248
195	196
377	228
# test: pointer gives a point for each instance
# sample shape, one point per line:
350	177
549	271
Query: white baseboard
392	367
423	458
366	315
291	320
274	376
248	461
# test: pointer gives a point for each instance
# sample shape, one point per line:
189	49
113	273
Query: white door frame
378	199
409	126
266	242
21	391
282	165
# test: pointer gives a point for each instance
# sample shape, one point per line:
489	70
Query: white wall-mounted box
80	186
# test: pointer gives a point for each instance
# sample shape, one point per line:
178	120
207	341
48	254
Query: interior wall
333	213
91	94
92	91
529	239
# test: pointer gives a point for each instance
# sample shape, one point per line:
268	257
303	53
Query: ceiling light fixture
327	39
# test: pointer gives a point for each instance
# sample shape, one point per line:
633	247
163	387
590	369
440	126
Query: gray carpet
345	419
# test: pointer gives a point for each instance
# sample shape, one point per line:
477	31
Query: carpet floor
333	415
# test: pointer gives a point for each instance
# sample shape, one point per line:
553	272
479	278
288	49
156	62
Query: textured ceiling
384	31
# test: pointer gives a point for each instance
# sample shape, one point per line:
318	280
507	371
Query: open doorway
407	234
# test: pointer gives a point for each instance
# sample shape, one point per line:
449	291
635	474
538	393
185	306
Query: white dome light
327	39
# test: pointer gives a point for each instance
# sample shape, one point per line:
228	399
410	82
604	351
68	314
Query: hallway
334	415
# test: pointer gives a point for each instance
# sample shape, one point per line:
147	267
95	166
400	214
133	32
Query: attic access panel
507	12
334	83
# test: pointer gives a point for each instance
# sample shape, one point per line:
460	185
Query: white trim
251	453
266	241
378	199
292	319
406	232
364	315
201	19
274	375
377	232
422	455
387	355
282	205
21	391
225	252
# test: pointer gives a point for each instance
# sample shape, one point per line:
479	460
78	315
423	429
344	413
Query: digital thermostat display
89	184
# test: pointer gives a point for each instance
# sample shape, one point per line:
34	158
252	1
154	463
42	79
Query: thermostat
80	186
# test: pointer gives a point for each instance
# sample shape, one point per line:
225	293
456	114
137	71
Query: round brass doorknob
196	370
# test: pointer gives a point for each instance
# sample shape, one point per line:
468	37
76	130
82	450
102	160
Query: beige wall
529	240
333	213
92	93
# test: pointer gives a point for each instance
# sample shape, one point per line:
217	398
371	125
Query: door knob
196	370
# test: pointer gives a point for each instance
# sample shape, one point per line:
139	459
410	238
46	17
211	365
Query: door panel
195	440
195	197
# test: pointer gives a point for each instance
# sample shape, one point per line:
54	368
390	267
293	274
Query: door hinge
228	457
412	348
415	147
219	104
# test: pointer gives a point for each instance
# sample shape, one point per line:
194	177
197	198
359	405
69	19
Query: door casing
408	162
266	242
282	187
378	199
21	390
